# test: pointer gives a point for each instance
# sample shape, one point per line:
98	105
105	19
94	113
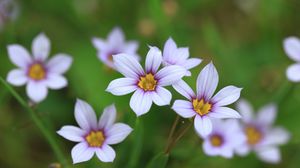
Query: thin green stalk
49	137
174	125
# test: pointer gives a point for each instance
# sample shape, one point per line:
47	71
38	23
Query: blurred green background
242	37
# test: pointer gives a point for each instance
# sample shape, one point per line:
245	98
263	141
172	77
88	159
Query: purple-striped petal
184	108
108	117
292	48
128	66
106	153
161	96
81	153
72	133
140	102
116	37
170	75
153	60
117	133
267	114
227	95
276	136
99	43
224	112
17	77
245	109
192	62
41	47
85	115
203	125
122	86
169	49
184	89
293	73
207	81
19	56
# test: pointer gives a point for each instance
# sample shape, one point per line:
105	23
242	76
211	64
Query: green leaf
159	161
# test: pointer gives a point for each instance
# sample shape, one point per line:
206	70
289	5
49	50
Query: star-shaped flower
115	44
38	73
203	105
148	86
92	136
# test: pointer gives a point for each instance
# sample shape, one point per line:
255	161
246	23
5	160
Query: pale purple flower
94	136
36	71
225	137
148	86
115	44
203	105
173	55
292	48
262	138
9	11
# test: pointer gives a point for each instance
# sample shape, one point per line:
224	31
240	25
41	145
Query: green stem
49	137
174	125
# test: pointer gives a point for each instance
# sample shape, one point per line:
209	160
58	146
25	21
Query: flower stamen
201	107
148	82
253	135
95	138
216	140
37	71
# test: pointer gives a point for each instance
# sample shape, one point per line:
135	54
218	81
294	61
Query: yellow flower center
148	83
201	107
37	71
216	140
95	138
253	135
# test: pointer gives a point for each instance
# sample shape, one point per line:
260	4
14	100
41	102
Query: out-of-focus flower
38	73
94	137
9	10
203	105
224	139
292	48
172	55
170	7
115	44
147	27
262	138
148	86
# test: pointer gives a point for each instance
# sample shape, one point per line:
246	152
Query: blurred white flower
9	10
262	138
93	136
224	139
172	55
115	44
38	73
292	49
203	105
148	86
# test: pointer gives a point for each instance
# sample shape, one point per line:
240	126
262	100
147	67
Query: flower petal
245	109
153	60
267	114
108	117
85	115
106	153
192	62
81	153
41	47
270	155
55	81
37	91
242	150
128	66
116	37
183	108
122	86
140	102
19	55
117	133
60	63
276	136
131	47
170	75
161	96
99	43
17	77
227	96
169	48
224	112
292	48
293	73
184	89
207	81
72	133
203	125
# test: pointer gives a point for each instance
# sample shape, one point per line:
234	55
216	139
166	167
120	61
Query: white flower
38	73
224	139
148	86
172	55
292	48
203	105
92	136
115	44
262	138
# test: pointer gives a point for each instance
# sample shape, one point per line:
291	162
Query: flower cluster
224	131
